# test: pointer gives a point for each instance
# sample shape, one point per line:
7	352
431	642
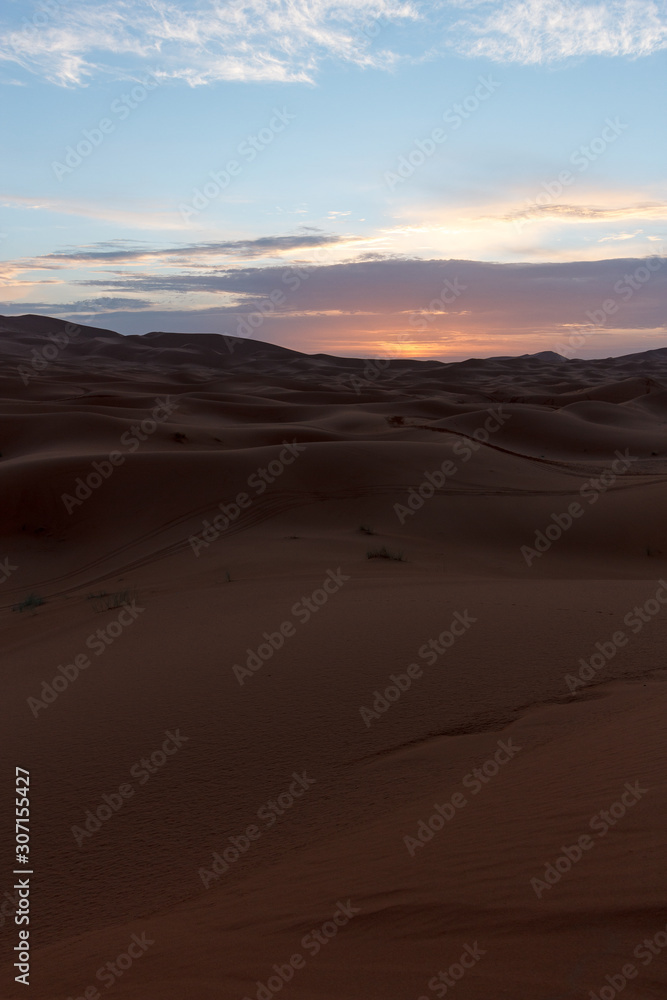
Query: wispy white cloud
136	214
541	31
201	41
619	237
120	257
190	254
655	210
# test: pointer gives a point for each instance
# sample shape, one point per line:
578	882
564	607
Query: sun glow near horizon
368	136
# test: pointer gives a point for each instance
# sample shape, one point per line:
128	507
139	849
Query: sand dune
225	490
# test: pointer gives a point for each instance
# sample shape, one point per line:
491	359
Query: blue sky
167	166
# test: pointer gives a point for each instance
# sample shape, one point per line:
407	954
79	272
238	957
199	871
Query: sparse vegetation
29	603
104	601
384	553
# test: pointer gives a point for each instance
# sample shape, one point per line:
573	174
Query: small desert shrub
29	603
384	553
109	602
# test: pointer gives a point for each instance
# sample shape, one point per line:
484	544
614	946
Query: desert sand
273	765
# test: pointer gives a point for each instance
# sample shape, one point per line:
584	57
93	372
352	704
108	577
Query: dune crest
373	649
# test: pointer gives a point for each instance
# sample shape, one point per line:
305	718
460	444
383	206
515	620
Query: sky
358	177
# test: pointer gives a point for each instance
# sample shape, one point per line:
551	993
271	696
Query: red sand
256	641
